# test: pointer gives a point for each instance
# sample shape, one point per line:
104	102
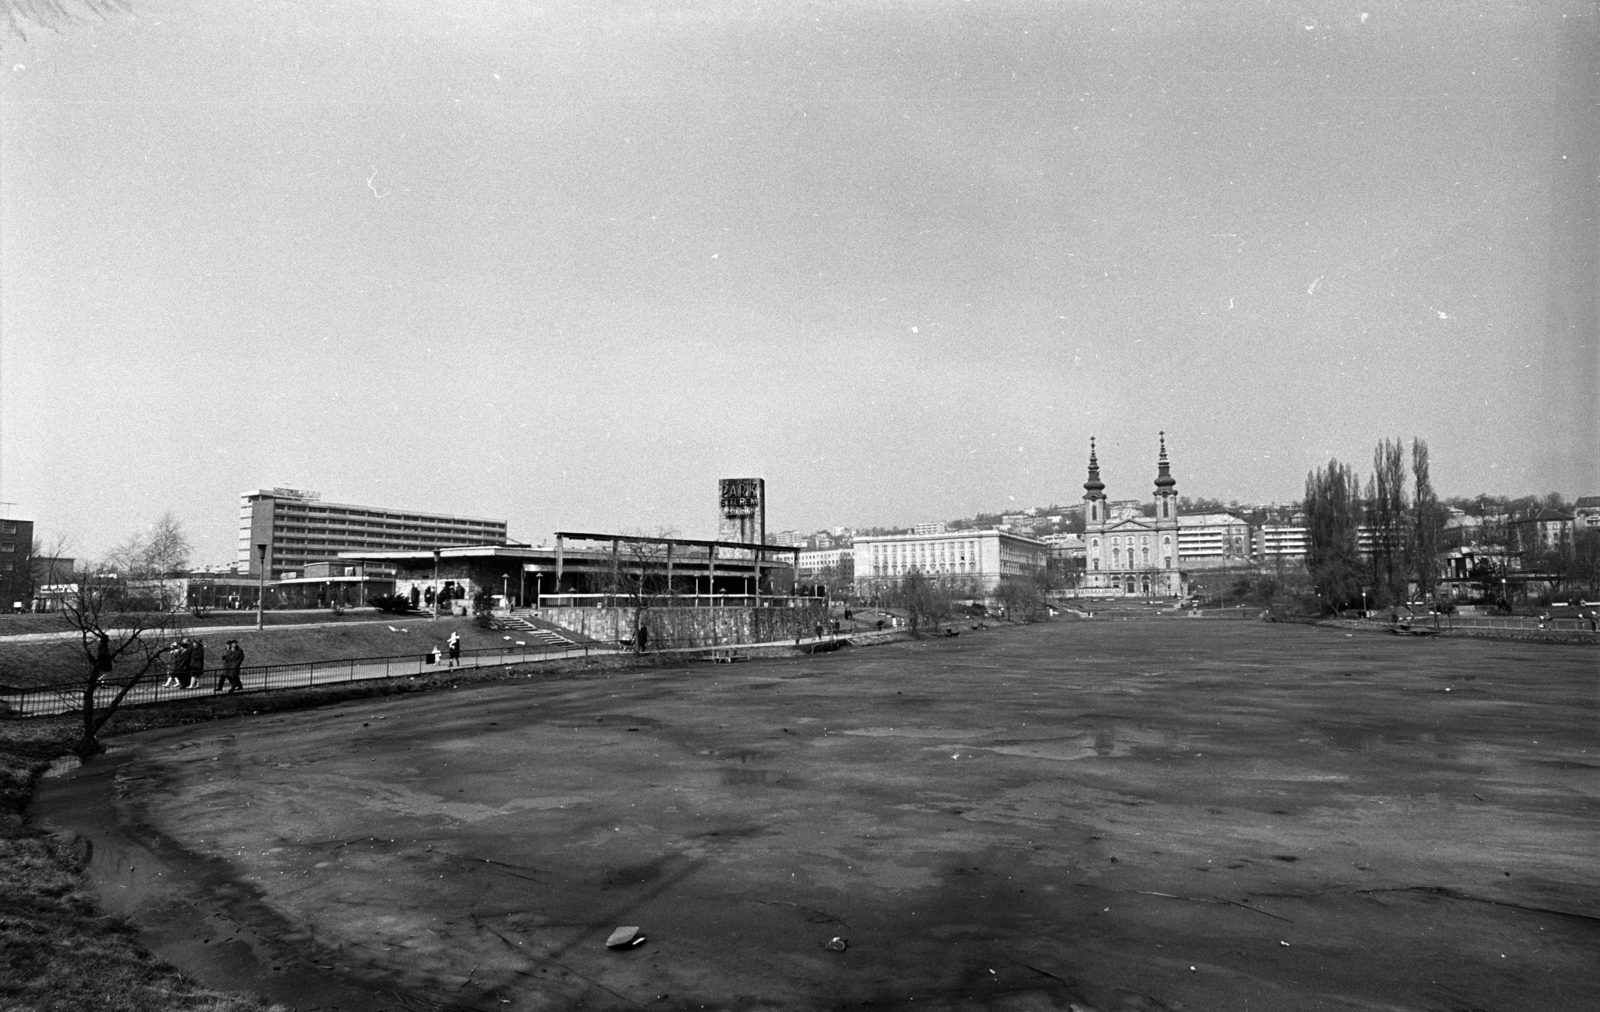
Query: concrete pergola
758	553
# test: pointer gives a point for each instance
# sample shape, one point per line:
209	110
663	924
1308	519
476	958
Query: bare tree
50	564
121	635
1023	597
161	549
1586	559
167	549
151	556
840	580
637	576
926	601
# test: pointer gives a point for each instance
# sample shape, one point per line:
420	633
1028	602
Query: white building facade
1213	541
814	562
1280	541
974	561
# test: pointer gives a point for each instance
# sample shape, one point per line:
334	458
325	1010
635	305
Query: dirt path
1117	815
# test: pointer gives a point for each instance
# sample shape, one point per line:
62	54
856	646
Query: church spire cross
1094	486
1164	479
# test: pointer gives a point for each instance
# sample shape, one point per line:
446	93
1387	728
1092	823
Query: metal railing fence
1511	623
67	697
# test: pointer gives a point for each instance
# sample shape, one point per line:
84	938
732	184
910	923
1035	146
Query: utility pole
261	588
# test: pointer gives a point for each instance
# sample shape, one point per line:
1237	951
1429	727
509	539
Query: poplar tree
1388	521
1427	521
1333	512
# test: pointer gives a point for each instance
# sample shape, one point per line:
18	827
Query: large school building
974	561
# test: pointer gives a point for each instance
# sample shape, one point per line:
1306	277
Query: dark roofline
1543	516
634	539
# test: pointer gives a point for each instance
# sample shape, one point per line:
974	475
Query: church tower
1166	510
1166	490
1094	493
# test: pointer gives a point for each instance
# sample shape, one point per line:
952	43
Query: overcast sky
569	264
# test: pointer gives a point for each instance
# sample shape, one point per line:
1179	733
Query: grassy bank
49	663
49	622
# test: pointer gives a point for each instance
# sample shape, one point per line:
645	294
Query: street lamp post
1363	602
261	588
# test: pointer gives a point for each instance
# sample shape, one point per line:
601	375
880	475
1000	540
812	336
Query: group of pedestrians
186	665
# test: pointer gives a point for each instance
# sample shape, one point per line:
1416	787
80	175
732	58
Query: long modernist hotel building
298	529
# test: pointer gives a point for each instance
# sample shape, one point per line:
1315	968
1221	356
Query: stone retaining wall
690	627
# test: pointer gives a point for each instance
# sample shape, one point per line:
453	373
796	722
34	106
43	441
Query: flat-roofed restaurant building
595	570
299	529
974	559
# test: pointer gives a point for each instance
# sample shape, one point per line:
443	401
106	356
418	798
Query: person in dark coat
641	640
232	660
183	663
197	662
102	655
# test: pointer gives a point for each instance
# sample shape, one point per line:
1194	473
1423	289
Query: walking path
204	630
56	700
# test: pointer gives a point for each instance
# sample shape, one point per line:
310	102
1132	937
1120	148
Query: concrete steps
536	633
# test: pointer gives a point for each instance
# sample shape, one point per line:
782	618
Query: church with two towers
1133	556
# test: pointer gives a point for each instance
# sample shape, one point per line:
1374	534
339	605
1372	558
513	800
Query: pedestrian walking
641	640
172	665
232	660
454	643
197	663
183	658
